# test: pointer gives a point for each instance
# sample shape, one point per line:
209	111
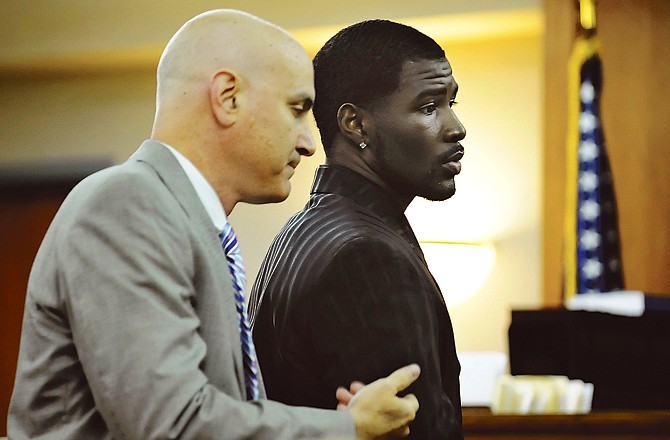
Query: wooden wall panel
25	218
30	196
635	42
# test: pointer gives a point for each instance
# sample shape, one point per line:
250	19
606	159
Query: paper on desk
479	372
541	395
620	302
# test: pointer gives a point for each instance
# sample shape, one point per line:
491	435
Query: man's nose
306	145
454	131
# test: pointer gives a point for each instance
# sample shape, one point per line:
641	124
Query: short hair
362	63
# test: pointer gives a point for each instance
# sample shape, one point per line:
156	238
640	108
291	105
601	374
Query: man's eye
298	109
301	107
429	108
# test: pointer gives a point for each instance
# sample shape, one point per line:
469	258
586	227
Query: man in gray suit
130	327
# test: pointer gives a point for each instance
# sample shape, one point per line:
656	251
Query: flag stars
596	242
589	210
590	240
607	207
592	268
614	264
612	236
587	92
588	181
606	177
588	151
587	122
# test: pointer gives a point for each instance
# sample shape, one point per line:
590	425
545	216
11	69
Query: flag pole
587	15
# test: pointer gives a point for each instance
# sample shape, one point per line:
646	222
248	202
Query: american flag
592	248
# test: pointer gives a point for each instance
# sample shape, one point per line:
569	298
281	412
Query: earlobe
223	95
352	121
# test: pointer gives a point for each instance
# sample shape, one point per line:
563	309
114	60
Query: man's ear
354	123
224	89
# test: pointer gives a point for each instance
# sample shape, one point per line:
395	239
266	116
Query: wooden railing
480	424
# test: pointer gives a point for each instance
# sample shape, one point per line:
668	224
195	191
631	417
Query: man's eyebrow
433	90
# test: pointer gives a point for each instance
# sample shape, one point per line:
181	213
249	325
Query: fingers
402	432
356	387
377	410
343	396
404	377
413	404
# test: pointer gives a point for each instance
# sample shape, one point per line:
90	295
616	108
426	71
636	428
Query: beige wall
498	191
48	26
107	110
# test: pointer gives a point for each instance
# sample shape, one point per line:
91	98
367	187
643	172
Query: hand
344	396
377	410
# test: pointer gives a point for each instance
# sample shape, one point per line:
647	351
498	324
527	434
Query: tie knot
229	240
234	257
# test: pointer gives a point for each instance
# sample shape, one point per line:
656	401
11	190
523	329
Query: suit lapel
166	166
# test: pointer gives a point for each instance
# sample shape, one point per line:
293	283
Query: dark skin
412	135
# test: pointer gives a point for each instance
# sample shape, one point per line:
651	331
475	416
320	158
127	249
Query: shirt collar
371	197
203	189
343	181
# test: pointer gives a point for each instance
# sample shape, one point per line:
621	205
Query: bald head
223	79
213	40
216	39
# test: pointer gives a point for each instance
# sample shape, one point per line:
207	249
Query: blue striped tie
234	257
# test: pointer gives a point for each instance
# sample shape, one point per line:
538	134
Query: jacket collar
371	198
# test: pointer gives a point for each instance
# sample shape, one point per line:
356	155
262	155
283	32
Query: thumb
404	377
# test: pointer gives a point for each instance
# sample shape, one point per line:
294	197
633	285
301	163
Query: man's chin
443	193
276	197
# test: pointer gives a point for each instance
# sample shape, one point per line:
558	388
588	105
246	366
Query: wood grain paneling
25	218
479	424
29	198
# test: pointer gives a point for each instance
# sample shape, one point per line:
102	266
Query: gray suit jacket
130	329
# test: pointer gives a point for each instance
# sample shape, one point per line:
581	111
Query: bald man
133	324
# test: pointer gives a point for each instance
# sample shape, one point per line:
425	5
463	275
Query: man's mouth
453	163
